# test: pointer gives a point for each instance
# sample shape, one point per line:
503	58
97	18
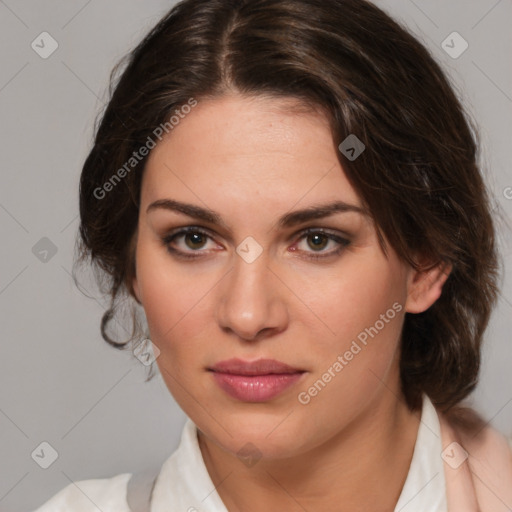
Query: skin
253	160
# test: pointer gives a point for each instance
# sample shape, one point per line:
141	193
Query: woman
290	190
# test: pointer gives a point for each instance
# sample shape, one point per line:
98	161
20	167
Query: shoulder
488	453
106	494
476	433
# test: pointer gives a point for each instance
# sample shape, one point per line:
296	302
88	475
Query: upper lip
259	367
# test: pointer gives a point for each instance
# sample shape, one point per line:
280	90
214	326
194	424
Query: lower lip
255	388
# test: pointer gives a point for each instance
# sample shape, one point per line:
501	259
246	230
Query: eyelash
168	239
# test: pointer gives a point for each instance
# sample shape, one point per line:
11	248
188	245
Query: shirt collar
425	489
185	484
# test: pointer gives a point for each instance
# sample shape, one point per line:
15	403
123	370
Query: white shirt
184	484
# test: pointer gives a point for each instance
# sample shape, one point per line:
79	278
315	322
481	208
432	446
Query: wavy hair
419	176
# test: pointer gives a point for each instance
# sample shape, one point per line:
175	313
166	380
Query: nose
252	304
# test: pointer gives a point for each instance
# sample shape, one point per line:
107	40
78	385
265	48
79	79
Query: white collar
425	487
184	482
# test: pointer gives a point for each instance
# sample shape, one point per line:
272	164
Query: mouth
259	367
256	381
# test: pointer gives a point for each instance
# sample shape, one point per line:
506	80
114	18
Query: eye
193	242
187	241
316	243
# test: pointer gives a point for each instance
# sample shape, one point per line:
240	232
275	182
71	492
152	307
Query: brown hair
418	175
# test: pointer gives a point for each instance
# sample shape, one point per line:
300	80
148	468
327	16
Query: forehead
234	146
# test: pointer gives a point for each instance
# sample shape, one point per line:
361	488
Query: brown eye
190	243
195	240
317	241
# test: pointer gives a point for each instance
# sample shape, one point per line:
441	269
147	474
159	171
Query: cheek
176	307
347	302
359	359
174	301
356	343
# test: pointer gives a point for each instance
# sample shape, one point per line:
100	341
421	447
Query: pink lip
256	381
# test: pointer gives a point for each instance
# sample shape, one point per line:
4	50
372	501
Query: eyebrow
288	220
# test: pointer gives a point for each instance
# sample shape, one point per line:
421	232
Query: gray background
60	382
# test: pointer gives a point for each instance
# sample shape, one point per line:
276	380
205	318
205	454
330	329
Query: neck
364	466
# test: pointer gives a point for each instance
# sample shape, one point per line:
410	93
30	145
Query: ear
424	287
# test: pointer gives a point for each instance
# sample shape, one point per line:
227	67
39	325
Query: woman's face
266	269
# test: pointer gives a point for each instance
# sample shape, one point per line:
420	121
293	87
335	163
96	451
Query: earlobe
425	287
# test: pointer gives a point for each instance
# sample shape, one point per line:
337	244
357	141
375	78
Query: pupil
194	240
318	241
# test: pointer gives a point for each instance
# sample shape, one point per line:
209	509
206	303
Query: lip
254	381
259	367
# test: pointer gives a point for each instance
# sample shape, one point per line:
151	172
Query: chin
252	435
